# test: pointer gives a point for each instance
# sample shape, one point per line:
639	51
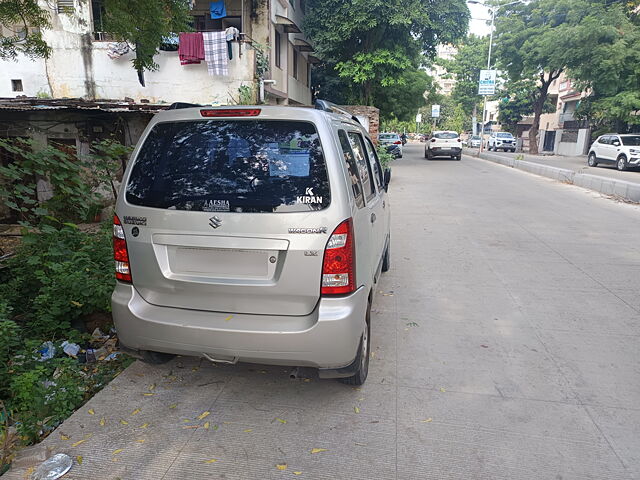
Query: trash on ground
70	349
47	351
318	450
281	466
112	356
53	468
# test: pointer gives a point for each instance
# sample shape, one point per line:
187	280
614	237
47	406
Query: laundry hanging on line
231	34
191	48
217	9
117	49
215	52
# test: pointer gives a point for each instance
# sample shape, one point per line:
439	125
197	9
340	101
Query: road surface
506	345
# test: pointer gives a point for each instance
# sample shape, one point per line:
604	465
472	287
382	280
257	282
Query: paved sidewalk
620	185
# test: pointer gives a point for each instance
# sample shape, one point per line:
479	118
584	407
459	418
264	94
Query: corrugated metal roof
26	104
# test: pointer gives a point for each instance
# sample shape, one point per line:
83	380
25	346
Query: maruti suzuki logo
215	222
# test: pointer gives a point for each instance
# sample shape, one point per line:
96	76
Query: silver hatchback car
252	234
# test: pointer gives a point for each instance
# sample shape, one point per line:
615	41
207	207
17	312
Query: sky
479	16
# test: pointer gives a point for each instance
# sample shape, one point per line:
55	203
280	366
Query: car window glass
445	135
364	168
231	166
604	140
615	140
633	141
375	162
352	168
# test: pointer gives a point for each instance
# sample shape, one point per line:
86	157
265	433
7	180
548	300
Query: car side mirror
387	178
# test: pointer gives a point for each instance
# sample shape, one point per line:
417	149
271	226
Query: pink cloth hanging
191	48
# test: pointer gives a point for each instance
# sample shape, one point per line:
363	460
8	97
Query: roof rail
179	105
331	107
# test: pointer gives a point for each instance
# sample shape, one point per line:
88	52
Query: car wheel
155	358
513	150
458	157
592	161
425	153
386	259
621	163
363	354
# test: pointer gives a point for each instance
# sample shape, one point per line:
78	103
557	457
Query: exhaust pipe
295	373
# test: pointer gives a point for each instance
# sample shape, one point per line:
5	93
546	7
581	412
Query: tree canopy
370	43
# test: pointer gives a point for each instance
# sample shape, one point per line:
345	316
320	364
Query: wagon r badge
215	222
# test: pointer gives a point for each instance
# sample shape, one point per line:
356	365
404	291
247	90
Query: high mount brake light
120	252
338	266
231	112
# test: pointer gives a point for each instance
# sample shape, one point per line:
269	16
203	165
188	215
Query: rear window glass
504	135
633	141
388	136
445	135
236	166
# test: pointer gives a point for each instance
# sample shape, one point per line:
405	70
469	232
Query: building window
66	6
294	74
16	85
278	42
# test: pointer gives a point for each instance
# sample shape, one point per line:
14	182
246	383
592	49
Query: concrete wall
80	67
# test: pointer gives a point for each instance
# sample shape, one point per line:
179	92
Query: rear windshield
504	135
475	137
231	166
445	135
634	141
388	136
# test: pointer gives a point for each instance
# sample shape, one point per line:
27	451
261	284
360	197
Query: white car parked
501	140
623	151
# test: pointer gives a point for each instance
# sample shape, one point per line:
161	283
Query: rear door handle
373	217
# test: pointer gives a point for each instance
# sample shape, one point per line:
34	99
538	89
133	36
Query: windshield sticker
309	197
134	220
216	206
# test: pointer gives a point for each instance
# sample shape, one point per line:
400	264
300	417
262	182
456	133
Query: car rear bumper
326	338
438	151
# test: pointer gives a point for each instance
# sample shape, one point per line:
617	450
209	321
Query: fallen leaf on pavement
228	318
115	452
442	389
79	442
282	466
64	437
203	415
297	473
281	420
190	426
124	422
356	409
147	394
141	440
206	425
144	425
173	406
136	411
102	422
215	427
318	450
213	460
79	459
152	386
427	420
248	430
91	411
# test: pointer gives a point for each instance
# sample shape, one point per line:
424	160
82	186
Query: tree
402	101
371	42
517	102
465	68
24	20
144	24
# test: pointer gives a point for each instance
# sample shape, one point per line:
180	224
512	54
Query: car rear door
606	149
383	216
226	215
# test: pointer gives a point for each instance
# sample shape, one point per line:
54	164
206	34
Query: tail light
433	139
397	143
120	253
338	267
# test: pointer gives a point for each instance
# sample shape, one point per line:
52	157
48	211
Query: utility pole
484	105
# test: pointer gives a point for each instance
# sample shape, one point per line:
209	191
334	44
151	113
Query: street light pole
484	105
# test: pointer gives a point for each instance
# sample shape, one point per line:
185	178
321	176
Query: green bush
57	276
385	157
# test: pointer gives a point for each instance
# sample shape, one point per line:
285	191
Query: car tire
155	358
513	150
592	161
621	163
362	357
458	158
425	153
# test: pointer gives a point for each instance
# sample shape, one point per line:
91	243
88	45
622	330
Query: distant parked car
392	142
621	150
501	140
444	144
474	141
